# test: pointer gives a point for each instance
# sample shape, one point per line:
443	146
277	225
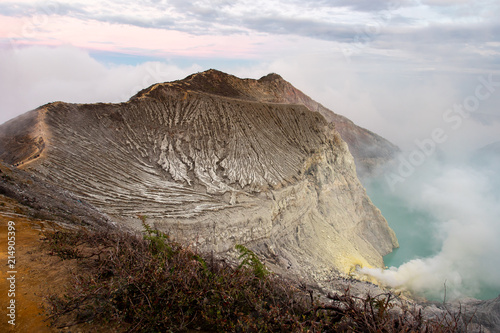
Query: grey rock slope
41	200
214	165
368	149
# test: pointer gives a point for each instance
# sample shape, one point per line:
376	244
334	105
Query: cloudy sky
394	67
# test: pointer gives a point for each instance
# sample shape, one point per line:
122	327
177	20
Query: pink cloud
95	35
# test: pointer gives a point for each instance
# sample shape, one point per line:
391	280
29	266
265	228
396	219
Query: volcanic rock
216	161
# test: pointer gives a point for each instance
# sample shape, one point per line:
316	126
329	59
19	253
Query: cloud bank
35	76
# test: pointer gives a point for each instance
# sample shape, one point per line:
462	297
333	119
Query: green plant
159	242
251	260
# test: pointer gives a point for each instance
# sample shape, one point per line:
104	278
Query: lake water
416	230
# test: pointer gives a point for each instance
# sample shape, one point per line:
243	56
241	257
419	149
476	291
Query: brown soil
38	273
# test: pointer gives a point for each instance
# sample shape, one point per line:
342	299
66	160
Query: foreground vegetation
148	283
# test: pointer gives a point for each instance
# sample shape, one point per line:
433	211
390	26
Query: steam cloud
464	200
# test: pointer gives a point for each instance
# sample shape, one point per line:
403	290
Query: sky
425	74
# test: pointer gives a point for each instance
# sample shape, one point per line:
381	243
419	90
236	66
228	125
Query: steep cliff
216	161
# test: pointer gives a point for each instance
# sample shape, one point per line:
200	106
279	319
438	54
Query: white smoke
465	202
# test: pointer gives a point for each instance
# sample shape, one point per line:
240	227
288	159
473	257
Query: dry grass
149	283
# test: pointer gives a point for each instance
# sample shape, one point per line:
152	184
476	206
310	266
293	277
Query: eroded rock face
215	164
368	149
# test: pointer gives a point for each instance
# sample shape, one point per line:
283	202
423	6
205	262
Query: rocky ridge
368	149
215	161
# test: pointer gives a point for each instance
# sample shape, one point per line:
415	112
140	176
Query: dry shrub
149	283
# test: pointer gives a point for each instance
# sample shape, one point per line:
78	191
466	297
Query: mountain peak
271	77
368	149
210	74
215	73
269	88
